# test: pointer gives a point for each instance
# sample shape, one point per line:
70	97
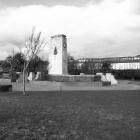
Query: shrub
97	78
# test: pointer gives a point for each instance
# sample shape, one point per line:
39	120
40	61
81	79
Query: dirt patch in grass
73	115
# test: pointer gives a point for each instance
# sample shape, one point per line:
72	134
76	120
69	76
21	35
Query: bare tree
32	48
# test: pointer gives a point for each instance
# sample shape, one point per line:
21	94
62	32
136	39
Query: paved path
54	86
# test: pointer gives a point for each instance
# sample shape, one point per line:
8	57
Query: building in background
117	63
121	67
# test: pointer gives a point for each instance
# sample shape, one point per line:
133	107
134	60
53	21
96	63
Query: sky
94	28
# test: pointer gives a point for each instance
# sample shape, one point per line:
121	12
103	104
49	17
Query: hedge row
127	74
5	88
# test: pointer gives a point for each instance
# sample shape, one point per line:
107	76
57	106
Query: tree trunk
24	71
23	82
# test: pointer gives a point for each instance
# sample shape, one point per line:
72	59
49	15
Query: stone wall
73	78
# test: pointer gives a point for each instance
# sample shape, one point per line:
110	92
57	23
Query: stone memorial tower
58	55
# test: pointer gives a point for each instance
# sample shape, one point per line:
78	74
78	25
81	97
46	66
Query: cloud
133	6
17	3
106	29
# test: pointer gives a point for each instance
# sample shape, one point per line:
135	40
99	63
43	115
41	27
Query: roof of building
113	59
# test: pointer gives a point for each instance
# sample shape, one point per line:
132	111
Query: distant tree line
87	67
16	62
73	66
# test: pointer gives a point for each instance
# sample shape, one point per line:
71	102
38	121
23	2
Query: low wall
5	88
5	80
73	78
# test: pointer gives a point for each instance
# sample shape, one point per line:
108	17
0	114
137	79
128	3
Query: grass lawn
70	115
